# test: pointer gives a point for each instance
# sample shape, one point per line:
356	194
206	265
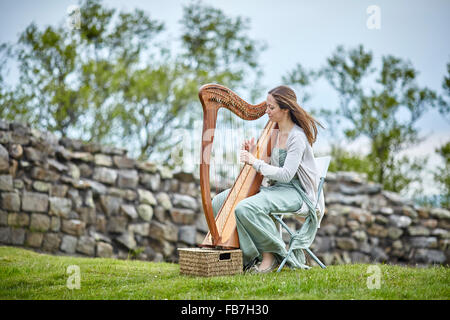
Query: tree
442	175
385	113
218	48
444	101
301	78
112	80
164	97
69	78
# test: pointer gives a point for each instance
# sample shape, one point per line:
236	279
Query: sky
306	32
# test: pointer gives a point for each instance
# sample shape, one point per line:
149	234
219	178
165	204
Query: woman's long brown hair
286	99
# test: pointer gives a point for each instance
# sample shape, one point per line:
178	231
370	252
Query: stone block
440	213
378	254
110	204
59	190
5	235
123	162
201	225
69	244
51	242
87	215
394	233
105	175
32	154
39	173
18	219
142	229
163	231
147	166
73	227
34	239
150	181
164	200
117	224
187	234
127	179
377	231
15	151
145	212
418	231
3	218
10	201
103	160
127	240
6	182
129	210
400	221
17	236
323	244
35	202
60	207
4	159
346	244
184	201
146	197
41	186
430	256
104	250
86	245
57	165
40	222
55	224
423	242
182	216
359	235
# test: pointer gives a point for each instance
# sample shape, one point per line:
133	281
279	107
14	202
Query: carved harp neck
213	97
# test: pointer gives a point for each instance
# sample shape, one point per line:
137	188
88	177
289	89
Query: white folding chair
322	164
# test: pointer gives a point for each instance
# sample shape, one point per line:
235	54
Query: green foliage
302	78
348	161
69	78
442	175
386	113
444	101
218	48
112	80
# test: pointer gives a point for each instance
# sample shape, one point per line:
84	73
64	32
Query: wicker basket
210	262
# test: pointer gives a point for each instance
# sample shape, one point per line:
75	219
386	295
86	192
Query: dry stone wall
64	196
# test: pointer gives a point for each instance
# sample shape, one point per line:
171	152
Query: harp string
231	133
228	136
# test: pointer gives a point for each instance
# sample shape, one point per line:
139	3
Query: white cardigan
300	160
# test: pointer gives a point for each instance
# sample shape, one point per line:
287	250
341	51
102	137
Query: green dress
256	228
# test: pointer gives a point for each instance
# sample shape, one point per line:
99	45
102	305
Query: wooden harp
222	230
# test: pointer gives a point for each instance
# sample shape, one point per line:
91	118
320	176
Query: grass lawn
25	274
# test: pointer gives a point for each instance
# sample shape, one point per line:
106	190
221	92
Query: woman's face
273	110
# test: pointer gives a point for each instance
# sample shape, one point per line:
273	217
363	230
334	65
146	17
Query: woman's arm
295	149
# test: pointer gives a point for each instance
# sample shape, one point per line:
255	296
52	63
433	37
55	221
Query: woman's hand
247	147
247	157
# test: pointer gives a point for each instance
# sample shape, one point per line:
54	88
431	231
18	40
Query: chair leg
284	225
315	258
281	222
284	260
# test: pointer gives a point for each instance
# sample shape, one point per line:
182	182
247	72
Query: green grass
28	275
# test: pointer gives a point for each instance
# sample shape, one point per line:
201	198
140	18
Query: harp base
231	242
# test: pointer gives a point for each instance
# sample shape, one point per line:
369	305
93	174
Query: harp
222	229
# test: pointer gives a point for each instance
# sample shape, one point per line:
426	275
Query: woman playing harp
294	180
